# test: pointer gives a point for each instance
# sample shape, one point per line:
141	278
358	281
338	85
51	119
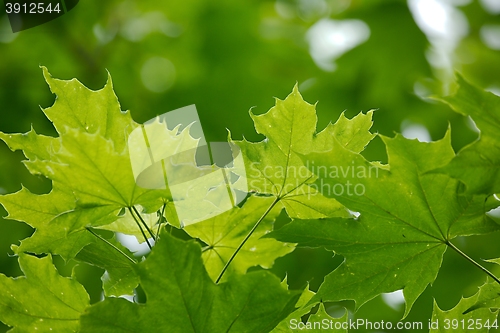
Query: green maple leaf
320	321
303	308
120	277
60	227
182	298
488	295
89	167
96	112
224	233
91	172
407	219
33	145
455	320
67	233
61	300
52	214
76	107
36	209
478	164
274	166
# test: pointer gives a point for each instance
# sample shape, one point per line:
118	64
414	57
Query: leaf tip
46	73
109	81
14	249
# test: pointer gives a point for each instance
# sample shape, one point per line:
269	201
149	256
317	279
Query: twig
110	244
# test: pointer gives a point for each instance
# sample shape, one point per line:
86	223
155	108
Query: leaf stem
144	223
160	220
472	261
140	227
110	244
246	238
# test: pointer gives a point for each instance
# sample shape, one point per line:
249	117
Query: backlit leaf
274	166
455	320
120	277
407	219
224	233
182	298
478	164
42	300
89	167
488	295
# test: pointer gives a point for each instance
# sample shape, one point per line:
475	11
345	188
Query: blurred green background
229	56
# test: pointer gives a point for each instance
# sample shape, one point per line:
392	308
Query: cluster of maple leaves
392	231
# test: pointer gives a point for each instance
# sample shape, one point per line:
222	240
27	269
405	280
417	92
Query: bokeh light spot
394	299
131	243
490	35
412	130
491	6
329	39
158	74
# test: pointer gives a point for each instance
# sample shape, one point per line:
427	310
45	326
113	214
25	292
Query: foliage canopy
392	222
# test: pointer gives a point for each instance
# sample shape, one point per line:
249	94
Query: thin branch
276	200
140	227
144	223
473	261
110	244
162	216
246	238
